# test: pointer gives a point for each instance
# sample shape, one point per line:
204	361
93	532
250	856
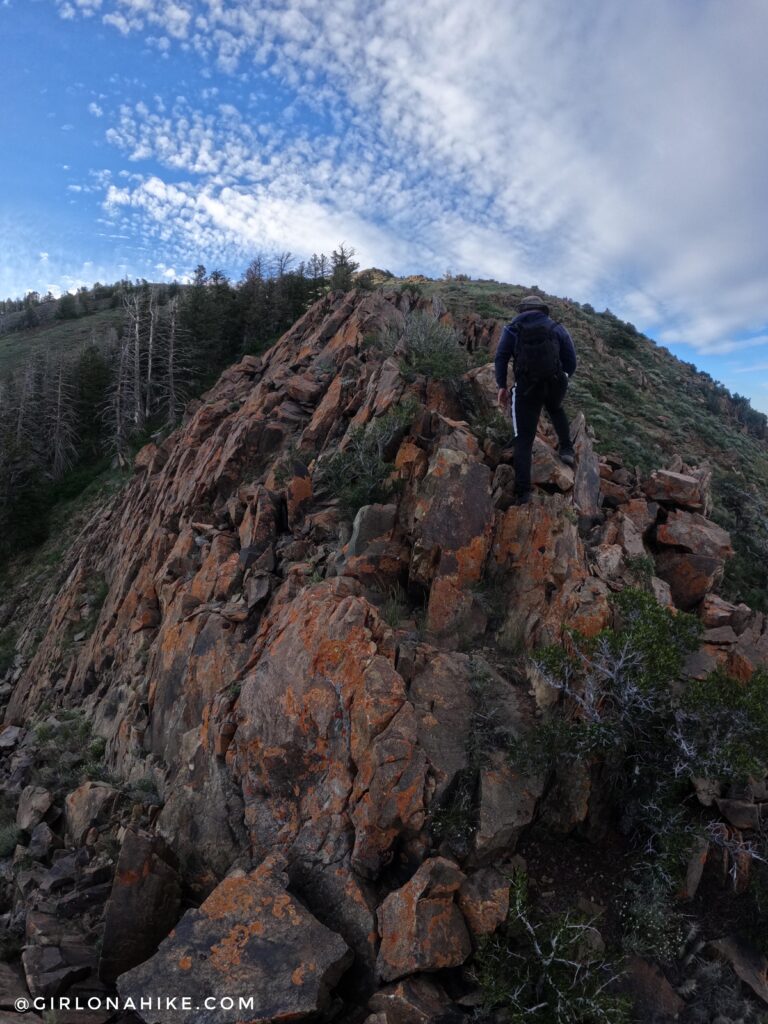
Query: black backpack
537	354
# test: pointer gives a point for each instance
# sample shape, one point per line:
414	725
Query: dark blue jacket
506	349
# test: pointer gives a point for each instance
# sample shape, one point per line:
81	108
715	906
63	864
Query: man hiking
543	358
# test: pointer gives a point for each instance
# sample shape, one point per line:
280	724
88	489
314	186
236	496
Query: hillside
275	698
53	336
641	402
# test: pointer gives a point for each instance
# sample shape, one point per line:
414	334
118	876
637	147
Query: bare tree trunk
133	309
25	392
61	428
150	352
120	405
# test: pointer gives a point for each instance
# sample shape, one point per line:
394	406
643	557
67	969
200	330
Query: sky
613	153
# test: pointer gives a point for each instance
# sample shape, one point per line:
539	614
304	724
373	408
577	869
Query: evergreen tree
343	268
67	307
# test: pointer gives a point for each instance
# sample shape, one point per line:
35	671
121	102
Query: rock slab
422	928
249	941
146	888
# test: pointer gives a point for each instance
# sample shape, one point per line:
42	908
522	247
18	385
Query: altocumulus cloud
599	150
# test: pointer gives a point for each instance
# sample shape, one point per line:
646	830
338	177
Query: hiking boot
568	456
522	499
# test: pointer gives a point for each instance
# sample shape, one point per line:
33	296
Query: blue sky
613	153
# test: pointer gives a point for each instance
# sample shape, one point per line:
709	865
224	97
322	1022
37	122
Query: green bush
545	970
623	713
651	924
359	473
431	348
725	726
68	753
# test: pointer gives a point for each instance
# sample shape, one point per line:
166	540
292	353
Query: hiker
543	358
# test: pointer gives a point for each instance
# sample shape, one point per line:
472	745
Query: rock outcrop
311	693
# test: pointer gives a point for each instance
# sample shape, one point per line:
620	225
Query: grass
68	754
647	406
55	336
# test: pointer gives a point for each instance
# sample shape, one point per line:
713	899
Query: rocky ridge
229	637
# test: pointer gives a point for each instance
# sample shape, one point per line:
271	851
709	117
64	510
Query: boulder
447	695
690	577
146	888
34	804
421	926
327	745
12	986
49	972
371	521
750	965
697	859
662	591
701	663
654	998
608	560
689	531
249	940
10	737
613	494
691	556
630	538
642	513
675	489
548	471
508	801
586	481
88	805
258	527
484	901
298	494
742	814
539	567
715	612
720	636
415	1000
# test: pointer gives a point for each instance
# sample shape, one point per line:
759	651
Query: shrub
650	923
545	970
722	727
359	473
716	996
431	348
395	607
68	752
620	711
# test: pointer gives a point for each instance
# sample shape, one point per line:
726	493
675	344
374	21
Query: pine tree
343	268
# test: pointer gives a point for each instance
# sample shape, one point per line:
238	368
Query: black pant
525	407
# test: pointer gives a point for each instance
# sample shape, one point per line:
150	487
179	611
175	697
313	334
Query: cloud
601	152
95	109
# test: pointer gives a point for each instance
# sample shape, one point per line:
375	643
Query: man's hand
503	397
